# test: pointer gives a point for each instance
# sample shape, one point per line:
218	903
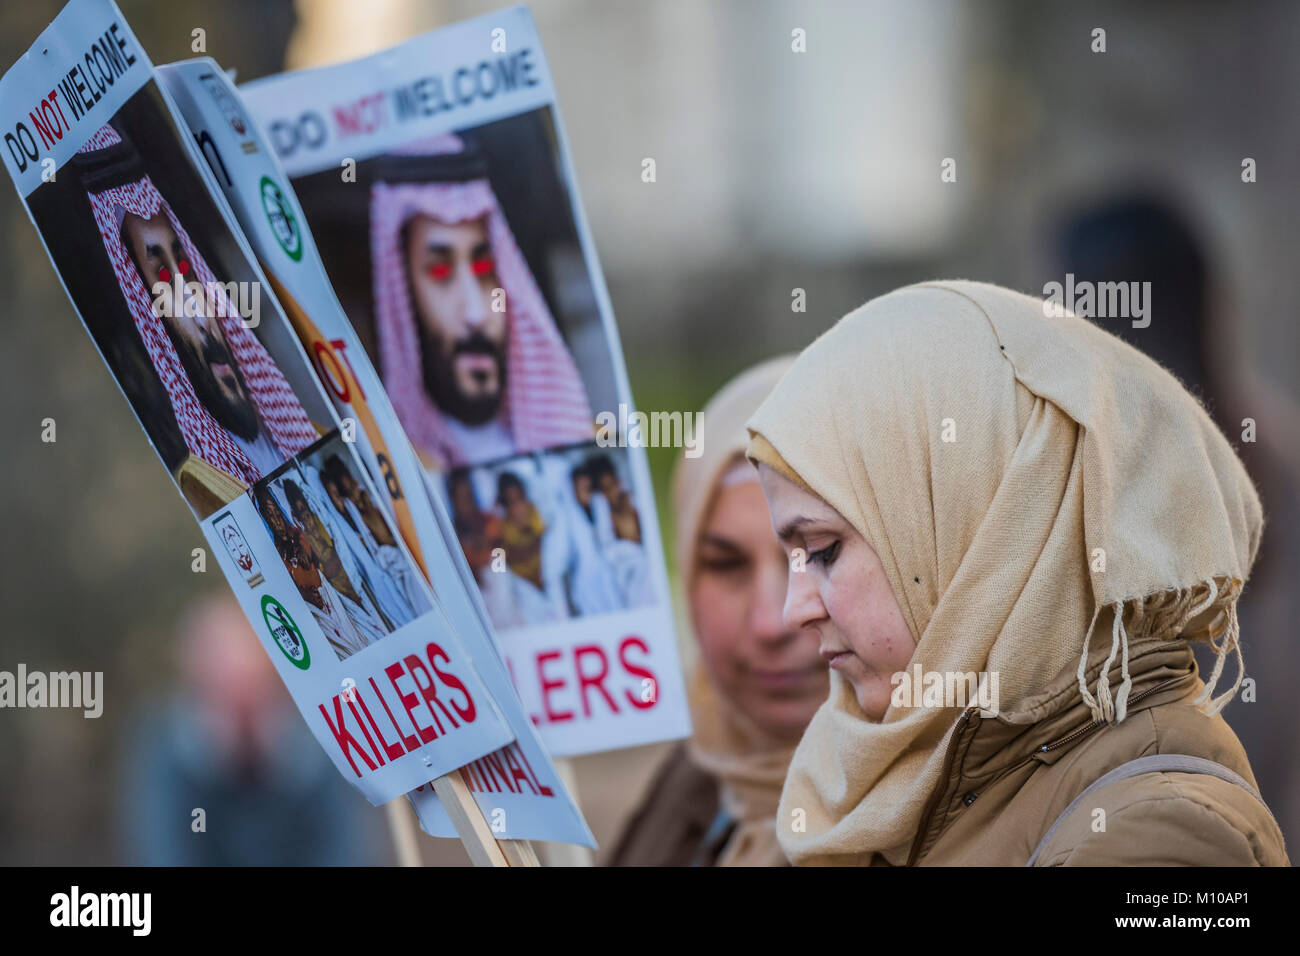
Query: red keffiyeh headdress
546	402
278	407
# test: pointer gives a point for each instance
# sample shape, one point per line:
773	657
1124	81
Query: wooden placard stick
472	827
402	829
519	852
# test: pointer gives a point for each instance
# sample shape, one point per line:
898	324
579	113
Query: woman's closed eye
723	565
825	556
721	556
722	562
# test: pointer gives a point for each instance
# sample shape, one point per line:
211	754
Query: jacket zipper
1045	748
1082	731
943	776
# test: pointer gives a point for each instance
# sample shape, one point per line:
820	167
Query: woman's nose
803	603
767	610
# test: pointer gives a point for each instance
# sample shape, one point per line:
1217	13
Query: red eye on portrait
183	267
439	271
484	266
165	274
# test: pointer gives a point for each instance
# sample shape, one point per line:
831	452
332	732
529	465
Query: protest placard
517	789
173	297
438	186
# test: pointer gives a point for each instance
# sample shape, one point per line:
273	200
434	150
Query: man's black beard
236	417
440	381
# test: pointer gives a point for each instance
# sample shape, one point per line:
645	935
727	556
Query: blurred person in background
230	743
757	682
1143	237
983	490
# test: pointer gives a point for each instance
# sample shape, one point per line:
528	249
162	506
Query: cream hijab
749	764
1018	476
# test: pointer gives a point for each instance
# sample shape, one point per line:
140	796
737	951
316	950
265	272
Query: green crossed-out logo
286	633
282	220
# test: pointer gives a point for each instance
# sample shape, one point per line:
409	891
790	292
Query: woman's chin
872	701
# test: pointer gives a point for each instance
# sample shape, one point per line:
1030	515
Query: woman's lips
778	679
835	658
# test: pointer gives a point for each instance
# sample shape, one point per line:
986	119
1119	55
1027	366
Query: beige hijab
749	764
1020	477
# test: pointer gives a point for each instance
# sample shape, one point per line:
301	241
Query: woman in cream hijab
757	682
1011	526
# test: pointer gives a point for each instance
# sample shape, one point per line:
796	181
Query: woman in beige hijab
1011	527
757	682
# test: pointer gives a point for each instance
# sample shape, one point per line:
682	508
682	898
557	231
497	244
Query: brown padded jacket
669	826
1005	785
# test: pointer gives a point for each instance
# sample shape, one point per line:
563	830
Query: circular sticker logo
282	220
285	633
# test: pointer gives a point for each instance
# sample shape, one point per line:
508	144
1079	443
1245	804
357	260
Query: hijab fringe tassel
1165	612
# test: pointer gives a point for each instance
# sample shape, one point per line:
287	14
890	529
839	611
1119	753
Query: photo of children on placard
473	296
339	548
176	309
552	536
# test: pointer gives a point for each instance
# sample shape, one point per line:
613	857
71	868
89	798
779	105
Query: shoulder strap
1153	763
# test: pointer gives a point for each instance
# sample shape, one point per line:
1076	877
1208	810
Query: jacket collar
981	749
997	745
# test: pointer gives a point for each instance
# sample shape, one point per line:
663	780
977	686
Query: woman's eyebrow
717	541
794	524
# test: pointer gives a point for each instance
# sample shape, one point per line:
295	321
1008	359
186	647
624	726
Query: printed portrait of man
239	417
471	356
